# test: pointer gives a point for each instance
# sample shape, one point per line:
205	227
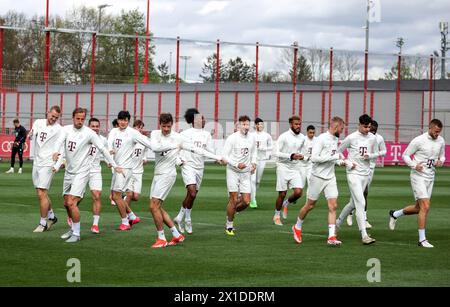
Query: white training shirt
427	152
324	156
264	145
95	156
44	140
289	143
381	147
139	156
75	145
359	145
240	148
306	151
123	143
198	138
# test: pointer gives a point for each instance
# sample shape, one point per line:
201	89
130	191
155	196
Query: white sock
180	214
364	232
277	213
131	216
299	223
43	221
187	213
331	230
286	203
398	213
422	235
161	235
125	221
175	232
229	224
50	214
96	219
76	229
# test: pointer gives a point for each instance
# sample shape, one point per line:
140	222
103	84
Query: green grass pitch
261	254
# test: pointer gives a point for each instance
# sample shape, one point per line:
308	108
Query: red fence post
236	106
31	109
47	56
366	67
347	104
430	98
216	97
107	112
159	108
322	121
136	72
61	106
300	106
77	100
4	111
330	86
422	112
177	86
147	33
397	98
17	104
94	43
141	111
2	38
372	100
256	82
294	77
124	106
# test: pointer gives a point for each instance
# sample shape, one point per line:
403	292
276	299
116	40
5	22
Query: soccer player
362	147
429	152
75	144
240	154
381	147
324	156
121	142
134	188
264	146
166	144
192	166
17	148
44	134
115	124
288	152
305	164
95	174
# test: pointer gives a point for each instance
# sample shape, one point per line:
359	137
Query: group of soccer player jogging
301	160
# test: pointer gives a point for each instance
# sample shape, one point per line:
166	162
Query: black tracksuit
19	143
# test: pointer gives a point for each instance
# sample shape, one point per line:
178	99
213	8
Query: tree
164	75
347	66
405	72
272	77
319	61
303	70
209	68
239	71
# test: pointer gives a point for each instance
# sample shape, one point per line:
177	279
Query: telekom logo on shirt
137	152
72	145
118	143
43	136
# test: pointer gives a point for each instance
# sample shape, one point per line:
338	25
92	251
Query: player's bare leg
47	217
70	202
130	197
296	194
185	211
122	208
332	235
161	217
297	228
231	210
96	209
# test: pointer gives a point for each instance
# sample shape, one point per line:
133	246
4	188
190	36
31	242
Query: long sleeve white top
240	148
427	151
381	147
324	156
289	143
359	145
44	140
264	145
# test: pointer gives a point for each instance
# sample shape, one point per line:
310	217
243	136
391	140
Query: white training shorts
422	187
42	177
317	185
119	182
372	171
289	178
192	176
95	181
161	186
238	182
135	184
305	173
75	184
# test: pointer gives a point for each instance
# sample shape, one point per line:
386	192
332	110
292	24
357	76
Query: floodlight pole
366	56
443	26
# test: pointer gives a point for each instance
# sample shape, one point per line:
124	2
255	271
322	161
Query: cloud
213	7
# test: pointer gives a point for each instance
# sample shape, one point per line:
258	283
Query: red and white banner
395	151
6	145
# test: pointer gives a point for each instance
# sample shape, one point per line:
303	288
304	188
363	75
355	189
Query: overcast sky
313	23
